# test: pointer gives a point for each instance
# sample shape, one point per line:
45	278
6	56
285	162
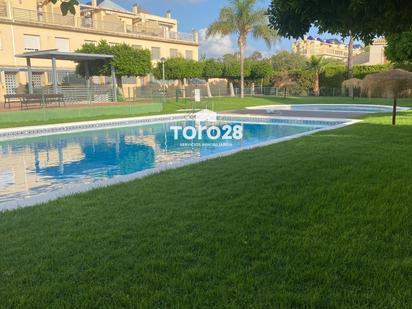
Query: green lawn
55	115
323	221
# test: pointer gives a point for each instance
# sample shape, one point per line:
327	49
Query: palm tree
350	61
316	65
241	17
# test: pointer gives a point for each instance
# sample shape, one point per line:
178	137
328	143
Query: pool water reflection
47	163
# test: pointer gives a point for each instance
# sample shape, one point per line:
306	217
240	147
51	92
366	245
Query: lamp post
163	60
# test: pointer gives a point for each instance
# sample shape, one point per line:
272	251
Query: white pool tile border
69	190
74	127
287	107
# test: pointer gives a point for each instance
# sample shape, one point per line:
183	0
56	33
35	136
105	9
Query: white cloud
215	46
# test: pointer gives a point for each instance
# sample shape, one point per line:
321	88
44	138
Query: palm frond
262	31
225	25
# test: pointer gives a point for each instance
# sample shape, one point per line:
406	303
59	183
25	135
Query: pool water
348	108
29	167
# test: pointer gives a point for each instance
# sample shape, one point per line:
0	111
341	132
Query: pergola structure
54	55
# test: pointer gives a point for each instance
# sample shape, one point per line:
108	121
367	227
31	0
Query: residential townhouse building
28	25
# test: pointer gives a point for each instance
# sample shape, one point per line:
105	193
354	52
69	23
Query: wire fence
80	95
157	92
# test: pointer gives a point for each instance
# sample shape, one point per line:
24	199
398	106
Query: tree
286	61
296	18
399	49
316	65
241	17
255	56
231	57
127	61
261	70
233	72
178	69
212	69
350	61
66	6
293	18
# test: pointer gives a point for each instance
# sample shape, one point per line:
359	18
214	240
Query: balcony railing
23	15
41	17
100	25
3	10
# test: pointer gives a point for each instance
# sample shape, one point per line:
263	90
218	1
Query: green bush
360	71
333	75
304	80
404	66
179	69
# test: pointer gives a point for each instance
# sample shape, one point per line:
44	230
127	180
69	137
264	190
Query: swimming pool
336	108
42	168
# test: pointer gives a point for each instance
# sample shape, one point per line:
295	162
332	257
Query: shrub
333	75
360	71
179	69
212	69
304	80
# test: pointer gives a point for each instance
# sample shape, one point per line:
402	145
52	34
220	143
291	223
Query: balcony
85	23
43	18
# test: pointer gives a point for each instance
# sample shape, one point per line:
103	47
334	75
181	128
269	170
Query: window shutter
63	44
31	42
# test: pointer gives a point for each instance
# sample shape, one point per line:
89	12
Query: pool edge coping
265	107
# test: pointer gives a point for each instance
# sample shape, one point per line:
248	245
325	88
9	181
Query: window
137	46
173	53
113	43
31	42
155	53
63	44
189	55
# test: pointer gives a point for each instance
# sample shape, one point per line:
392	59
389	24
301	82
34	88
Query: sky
199	14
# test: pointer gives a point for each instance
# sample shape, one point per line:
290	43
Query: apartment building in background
333	48
374	54
329	48
28	25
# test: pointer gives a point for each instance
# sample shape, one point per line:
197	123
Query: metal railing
79	94
180	36
146	31
3	10
149	92
41	17
89	23
32	16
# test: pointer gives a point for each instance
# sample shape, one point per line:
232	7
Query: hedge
333	75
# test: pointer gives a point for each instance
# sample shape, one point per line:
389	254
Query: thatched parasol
286	83
388	84
353	83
